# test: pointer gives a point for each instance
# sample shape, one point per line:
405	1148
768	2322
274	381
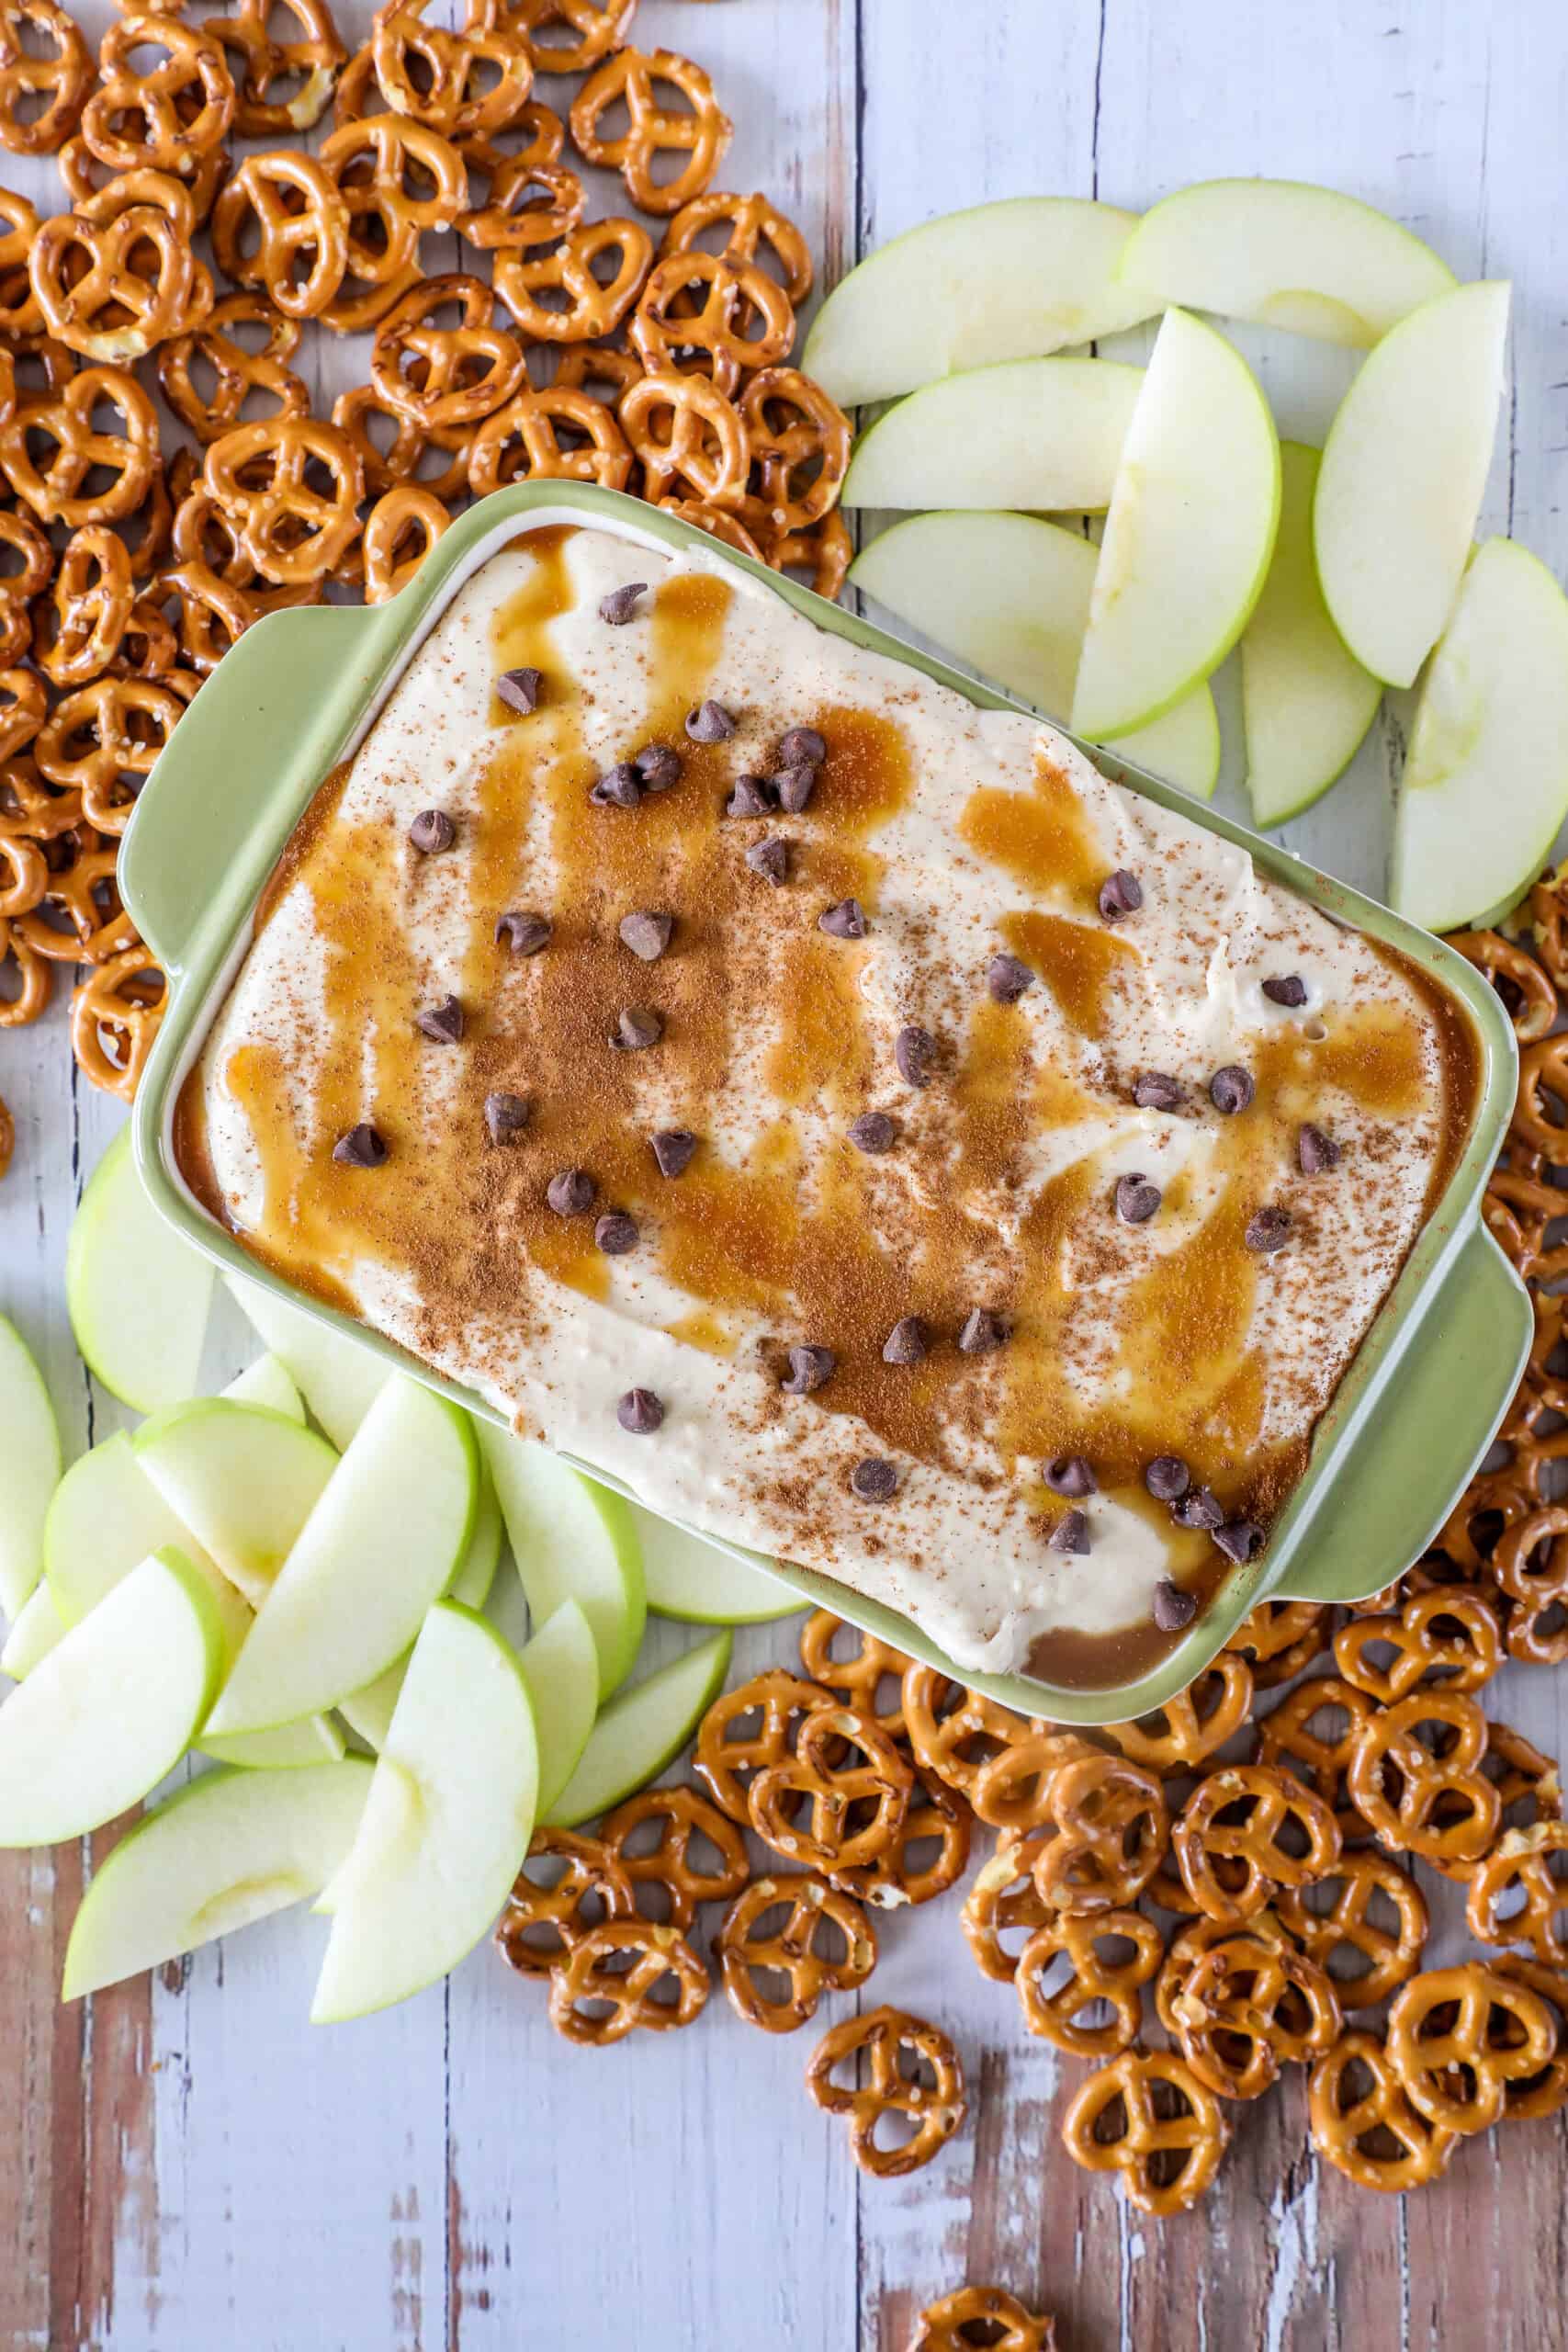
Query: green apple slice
1010	595
337	1376
571	1539
1188	535
1283	255
113	1707
37	1630
1486	786
137	1292
642	1731
105	1516
267	1382
560	1666
1305	699
243	1480
447	1823
1014	280
288	1748
230	1849
700	1585
1403	474
382	1544
29	1465
368	1712
1044	433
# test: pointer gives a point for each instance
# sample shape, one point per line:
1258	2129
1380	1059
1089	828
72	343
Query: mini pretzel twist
265	107
755	227
1544	2094
79	919
1281	1638
1517	1898
102	738
1543	1086
1448	1637
1003	1900
399	531
554	291
699	307
542	1924
291	530
1519	980
936	1820
715	522
800	447
553	435
1190	1944
1247	2007
954	1731
29	805
239	374
702	134
599	27
1458	2037
1146	2118
626	1997
1415	1799
1110	1828
92	603
115	1014
819	556
936	2110
60	78
976	2316
466	85
402	461
288	207
729	1757
1548	918
1529	1561
1231	1867
172	115
861	1678
1390	1954
398	181
65	487
681	1816
1012	1790
446	374
34	979
1186	1731
821	1805
113	292
791	1950
688	437
1357	2106
24	706
1092	1978
529	205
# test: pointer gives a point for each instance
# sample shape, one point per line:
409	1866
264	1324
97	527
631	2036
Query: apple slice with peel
642	1731
37	1629
1283	255
368	1712
232	1847
560	1666
288	1748
243	1479
266	1382
446	1827
105	1518
1485	784
338	1378
695	1581
1043	433
1403	473
383	1542
1010	595
137	1292
571	1539
113	1707
1188	535
1305	698
1002	281
29	1465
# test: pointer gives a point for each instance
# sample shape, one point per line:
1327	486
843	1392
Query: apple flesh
1033	432
1403	474
267	1382
29	1465
230	1849
642	1731
572	1540
288	1748
1015	280
242	1479
137	1292
1485	784
37	1630
368	1712
338	1378
560	1666
701	1585
1188	535
1009	594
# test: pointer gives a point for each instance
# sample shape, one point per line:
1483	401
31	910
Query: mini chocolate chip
873	1480
617	607
1136	1199
801	747
618	787
1153	1091
432	831
1070	1474
1007	979
361	1147
636	1027
658	764
1315	1152
874	1131
1269	1230
809	1369
519	689
1231	1088
1070	1533
1172	1607
672	1148
1168	1478
709	723
914	1050
753	797
616	1233
983	1332
792	788
1199	1509
770	859
647	933
524	934
1287	990
573	1193
641	1412
443	1022
1120	894
907	1342
1238	1539
845	919
506	1116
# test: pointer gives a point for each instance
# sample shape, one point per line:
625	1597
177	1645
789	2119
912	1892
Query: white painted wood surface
453	2174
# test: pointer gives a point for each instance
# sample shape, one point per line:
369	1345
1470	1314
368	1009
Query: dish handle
1439	1411
283	682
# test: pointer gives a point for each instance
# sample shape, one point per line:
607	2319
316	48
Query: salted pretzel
1390	1954
446	374
281	225
689	438
1450	1638
26	979
102	738
400	181
936	2108
555	291
537	137
392	451
976	2316
1364	2123
1519	980
1529	2097
862	1677
1146	2118
467	85
838	1799
954	1731
1093	1978
728	1755
800	450
1458	2037
1543	1086
20	538
24	706
42	811
1106	1834
1517	1898
92	603
1435	1802
399	531
1182	1735
23	872
928	1852
715	522
600	25
1003	1900
115	1014
680	1818
1247	2007
1281	1638
702	134
1529	1562
79	918
264	477
819	558
747	1955
41	96
623	1999
116	290
552	434
543	1923
239	375
85	175
262	68
62	481
1549	926
1012	1790
18	226
699	313
754	231
1190	1944
526	205
1528	1791
1231	1867
171	115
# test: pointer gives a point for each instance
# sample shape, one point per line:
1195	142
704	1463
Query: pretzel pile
134	552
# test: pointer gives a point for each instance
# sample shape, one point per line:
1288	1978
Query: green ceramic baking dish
1424	1395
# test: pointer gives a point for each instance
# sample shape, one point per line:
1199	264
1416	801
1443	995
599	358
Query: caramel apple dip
835	1112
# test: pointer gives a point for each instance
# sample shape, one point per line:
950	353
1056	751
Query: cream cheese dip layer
972	1181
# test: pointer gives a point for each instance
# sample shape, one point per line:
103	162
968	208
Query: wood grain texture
188	2165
